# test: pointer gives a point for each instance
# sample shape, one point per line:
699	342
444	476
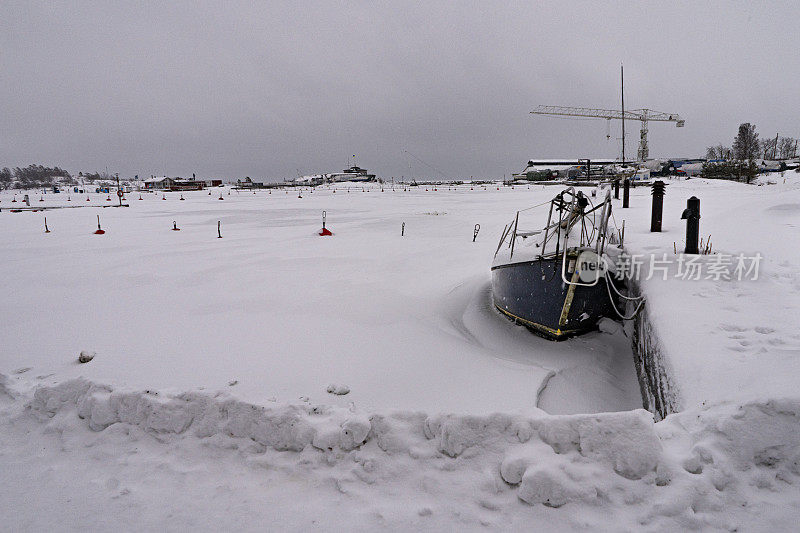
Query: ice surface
403	321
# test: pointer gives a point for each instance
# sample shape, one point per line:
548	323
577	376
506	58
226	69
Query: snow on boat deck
404	322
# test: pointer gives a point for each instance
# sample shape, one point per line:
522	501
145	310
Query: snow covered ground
206	406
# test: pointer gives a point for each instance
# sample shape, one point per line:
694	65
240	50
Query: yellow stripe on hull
557	334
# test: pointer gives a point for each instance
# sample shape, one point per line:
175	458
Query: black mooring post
616	189
658	205
626	192
692	216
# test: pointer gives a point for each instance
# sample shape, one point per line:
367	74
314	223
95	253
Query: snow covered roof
533	168
571	161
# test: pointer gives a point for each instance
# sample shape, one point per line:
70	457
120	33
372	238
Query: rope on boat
535	206
640	299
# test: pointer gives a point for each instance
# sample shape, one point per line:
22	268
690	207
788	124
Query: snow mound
339	390
692	469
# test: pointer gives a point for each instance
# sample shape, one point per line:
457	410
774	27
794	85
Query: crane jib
642	115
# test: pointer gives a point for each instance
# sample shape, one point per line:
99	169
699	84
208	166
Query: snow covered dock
722	328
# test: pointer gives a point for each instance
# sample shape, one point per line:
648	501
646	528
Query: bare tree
787	148
718	152
767	148
6	178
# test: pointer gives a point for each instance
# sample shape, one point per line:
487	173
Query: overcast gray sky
265	89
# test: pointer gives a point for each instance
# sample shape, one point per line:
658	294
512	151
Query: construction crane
642	115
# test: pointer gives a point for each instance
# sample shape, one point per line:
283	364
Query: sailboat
561	278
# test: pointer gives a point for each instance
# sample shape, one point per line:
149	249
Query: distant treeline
737	162
34	176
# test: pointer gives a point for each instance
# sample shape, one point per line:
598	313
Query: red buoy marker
324	232
175	226
99	230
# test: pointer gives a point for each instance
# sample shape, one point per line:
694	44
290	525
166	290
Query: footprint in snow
732	327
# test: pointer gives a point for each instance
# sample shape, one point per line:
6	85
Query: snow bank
687	469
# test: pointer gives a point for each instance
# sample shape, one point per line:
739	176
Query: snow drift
687	469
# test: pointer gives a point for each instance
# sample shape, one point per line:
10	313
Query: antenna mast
622	94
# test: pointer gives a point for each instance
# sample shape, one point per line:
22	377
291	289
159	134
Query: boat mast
622	94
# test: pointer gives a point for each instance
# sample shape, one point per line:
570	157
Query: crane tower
642	115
